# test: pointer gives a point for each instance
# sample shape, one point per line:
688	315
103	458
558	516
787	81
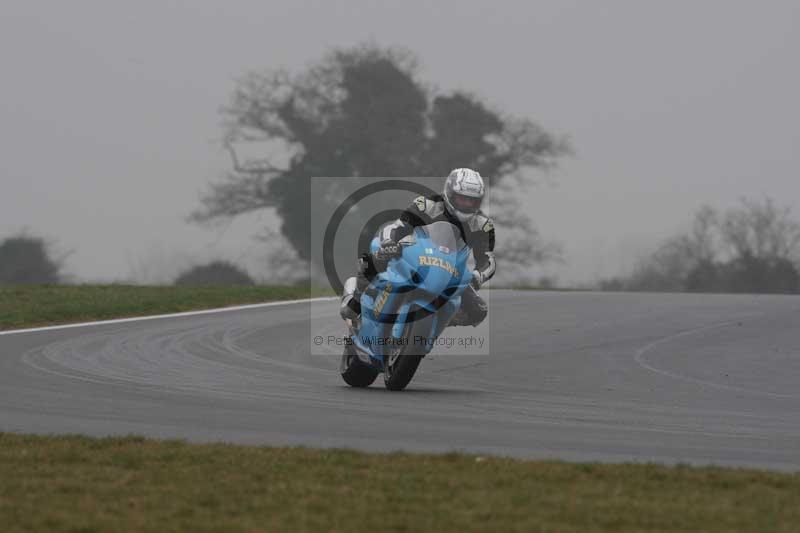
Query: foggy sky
109	121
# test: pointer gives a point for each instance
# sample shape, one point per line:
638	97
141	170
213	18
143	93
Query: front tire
401	366
398	373
354	372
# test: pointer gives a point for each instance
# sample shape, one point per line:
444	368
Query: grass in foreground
132	484
36	305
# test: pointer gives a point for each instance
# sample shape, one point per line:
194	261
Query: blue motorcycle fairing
428	278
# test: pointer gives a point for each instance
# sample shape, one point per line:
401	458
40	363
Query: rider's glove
477	280
387	250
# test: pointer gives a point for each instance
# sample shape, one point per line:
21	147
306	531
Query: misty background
110	126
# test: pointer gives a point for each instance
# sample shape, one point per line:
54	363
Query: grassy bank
132	484
35	305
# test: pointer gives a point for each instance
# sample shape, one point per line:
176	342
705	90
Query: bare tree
701	242
752	248
761	230
362	112
281	262
520	247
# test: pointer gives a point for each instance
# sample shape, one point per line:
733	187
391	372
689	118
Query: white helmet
463	193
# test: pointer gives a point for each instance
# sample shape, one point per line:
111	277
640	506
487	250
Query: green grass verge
132	484
36	305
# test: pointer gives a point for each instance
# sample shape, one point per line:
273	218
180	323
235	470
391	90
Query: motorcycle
406	307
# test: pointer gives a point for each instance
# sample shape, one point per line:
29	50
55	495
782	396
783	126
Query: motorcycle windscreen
446	236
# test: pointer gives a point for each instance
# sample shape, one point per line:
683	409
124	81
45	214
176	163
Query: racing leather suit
478	233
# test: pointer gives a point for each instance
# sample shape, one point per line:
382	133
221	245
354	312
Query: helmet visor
465	204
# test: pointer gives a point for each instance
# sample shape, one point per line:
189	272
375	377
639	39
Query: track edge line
166	315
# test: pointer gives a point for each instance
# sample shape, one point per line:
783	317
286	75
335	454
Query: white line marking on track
168	315
639	357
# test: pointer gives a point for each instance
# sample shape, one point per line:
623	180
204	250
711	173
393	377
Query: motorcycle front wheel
402	363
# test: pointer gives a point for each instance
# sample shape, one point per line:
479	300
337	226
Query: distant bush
745	274
752	248
26	260
215	273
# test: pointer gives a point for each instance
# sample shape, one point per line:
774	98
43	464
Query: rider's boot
473	310
460	319
350	307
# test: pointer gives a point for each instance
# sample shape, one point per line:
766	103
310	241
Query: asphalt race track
578	376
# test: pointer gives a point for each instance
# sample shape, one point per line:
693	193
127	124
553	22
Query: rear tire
354	372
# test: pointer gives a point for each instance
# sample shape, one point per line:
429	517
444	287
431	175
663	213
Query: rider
460	204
